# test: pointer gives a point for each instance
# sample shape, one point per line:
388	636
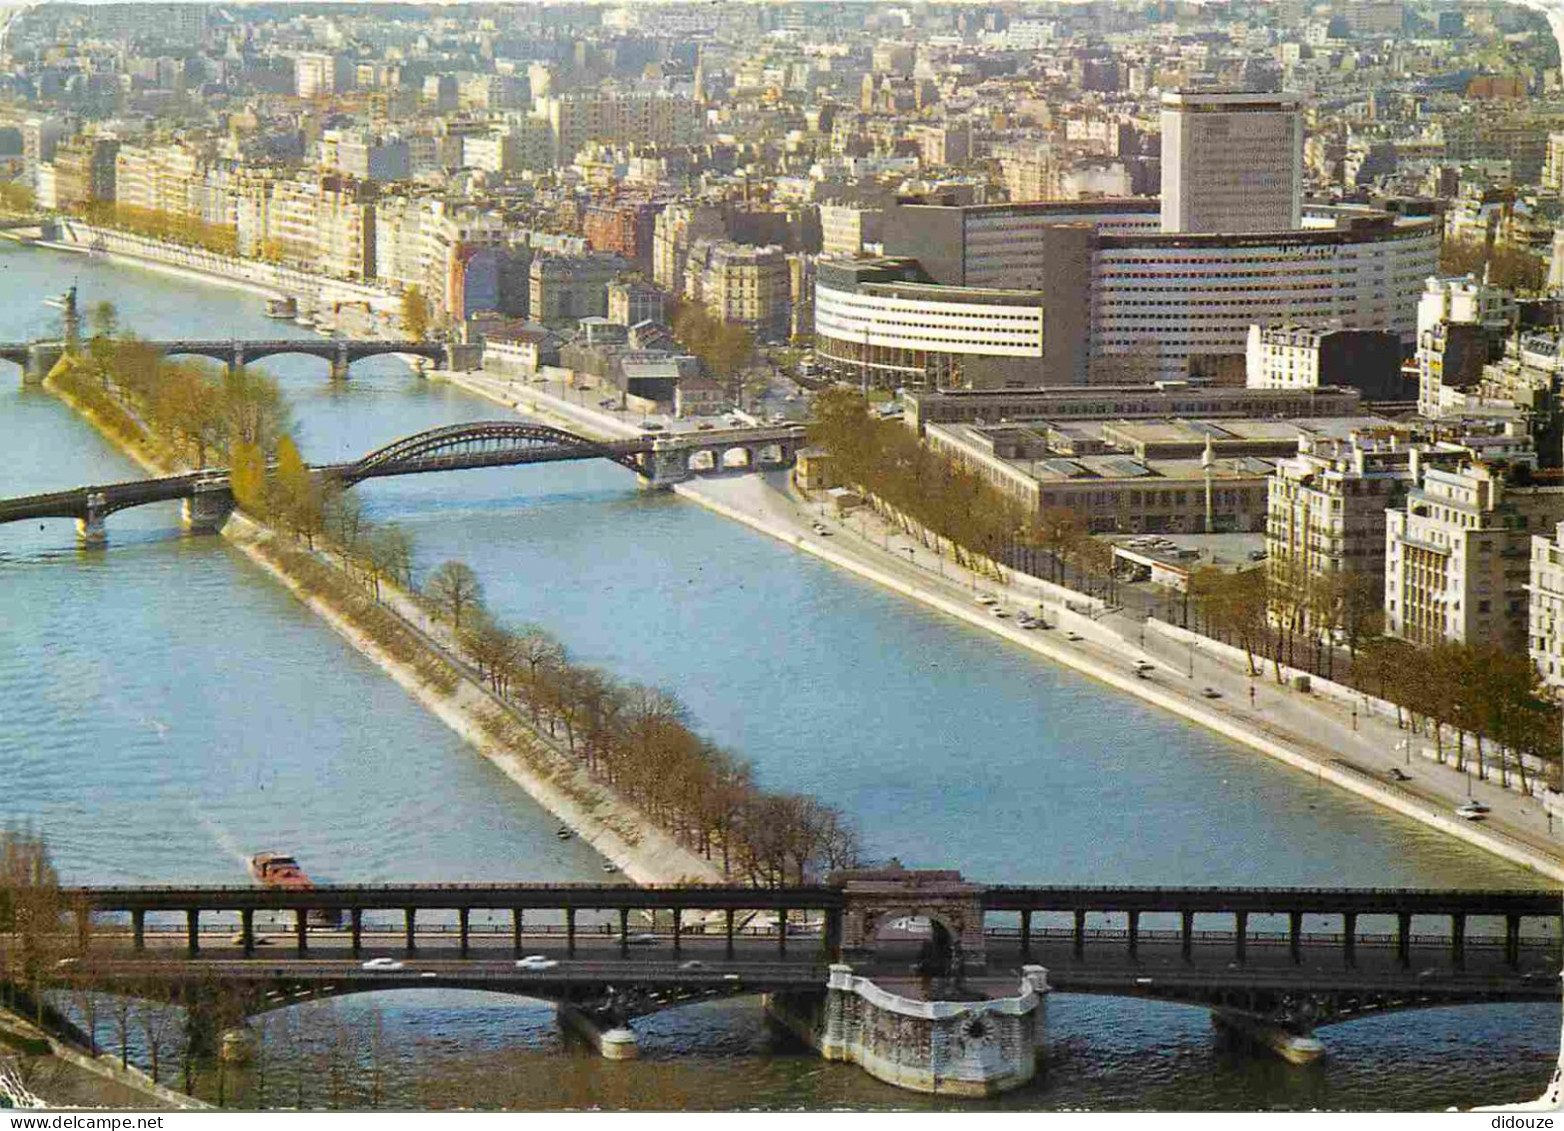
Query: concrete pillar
247	929
339	365
781	933
409	915
1512	941
301	928
138	929
1134	933
1458	940
193	930
236	363
83	923
727	926
462	914
678	924
1349	938
1294	931
1186	935
515	931
356	926
570	932
1026	935
1241	931
1404	938
90	528
1080	933
624	932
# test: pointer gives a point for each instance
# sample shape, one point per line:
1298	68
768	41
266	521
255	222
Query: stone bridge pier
208	506
41	358
91	529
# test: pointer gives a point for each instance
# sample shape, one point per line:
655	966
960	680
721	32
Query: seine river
166	710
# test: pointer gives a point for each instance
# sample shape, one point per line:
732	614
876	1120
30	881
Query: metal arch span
487	443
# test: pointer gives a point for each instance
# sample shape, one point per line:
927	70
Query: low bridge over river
659	461
36	358
1283	960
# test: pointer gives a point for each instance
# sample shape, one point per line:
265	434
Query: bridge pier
624	932
727	929
42	357
409	915
356	931
208	507
192	931
1404	939
1134	934
90	528
138	929
678	924
1186	935
515	931
462	916
1240	933
964	1048
1349	939
1078	943
1026	936
570	932
1512	941
339	365
616	1042
1294	939
247	930
1458	940
301	930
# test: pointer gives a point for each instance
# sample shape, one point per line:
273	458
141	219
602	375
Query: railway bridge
659	461
925	979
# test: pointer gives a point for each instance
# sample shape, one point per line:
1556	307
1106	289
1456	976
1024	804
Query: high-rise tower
1232	161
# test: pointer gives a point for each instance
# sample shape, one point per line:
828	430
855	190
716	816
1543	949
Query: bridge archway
770	455
703	460
736	459
469	445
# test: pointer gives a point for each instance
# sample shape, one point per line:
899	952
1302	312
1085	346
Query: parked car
1211	693
1472	811
382	964
1398	774
536	962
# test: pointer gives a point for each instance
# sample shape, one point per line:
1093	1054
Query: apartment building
747	286
617	118
1458	554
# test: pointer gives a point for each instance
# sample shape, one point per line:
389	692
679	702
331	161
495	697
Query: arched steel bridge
502	443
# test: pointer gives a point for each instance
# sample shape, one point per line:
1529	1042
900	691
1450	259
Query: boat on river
284	308
277	870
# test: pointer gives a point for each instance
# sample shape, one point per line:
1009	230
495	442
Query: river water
166	710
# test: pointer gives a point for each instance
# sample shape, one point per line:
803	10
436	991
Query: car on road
1211	693
1472	811
428	974
1075	636
692	964
382	964
1143	981
986	599
730	977
641	940
1398	774
536	962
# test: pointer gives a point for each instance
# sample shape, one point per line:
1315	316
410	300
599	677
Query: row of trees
201	412
638	740
156	224
1479	693
948	505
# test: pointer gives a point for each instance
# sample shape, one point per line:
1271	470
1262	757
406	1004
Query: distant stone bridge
660	461
37	358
